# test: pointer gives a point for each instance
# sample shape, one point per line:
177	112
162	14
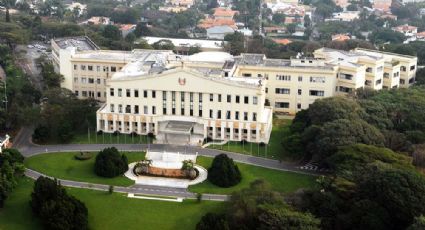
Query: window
369	69
378	82
98	81
75	79
228	115
254	116
317	79
75	67
200	104
237	99
412	67
246	100
386	75
83	67
318	93
90	68
153	94
84	80
136	93
153	110
346	76
211	97
136	109
145	109
300	91
113	69
98	94
300	78
145	94
403	68
237	115
91	81
127	109
229	98
219	98
120	108
182	103
111	107
111	92
245	116
119	92
128	92
84	93
345	89
218	114
402	81
246	75
254	100
379	69
76	93
283	77
211	113
283	105
98	68
299	106
164	102
105	69
282	91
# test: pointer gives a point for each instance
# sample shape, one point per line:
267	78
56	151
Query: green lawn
65	166
272	150
108	211
279	180
109	138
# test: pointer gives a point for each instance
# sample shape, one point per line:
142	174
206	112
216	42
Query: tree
278	18
55	208
282	218
236	43
111	32
418	224
11	167
7	4
110	163
420	76
224	172
386	35
163	44
333	108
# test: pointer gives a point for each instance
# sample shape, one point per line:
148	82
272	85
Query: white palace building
185	98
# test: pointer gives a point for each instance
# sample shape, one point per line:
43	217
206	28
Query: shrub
224	172
116	133
100	132
212	221
151	135
110	163
82	156
111	189
55	208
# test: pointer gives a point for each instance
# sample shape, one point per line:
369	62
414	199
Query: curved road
27	148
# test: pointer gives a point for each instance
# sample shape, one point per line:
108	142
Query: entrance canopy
178	127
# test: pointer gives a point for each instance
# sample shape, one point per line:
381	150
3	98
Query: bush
100	132
116	133
82	156
110	163
212	221
55	208
151	135
41	134
224	172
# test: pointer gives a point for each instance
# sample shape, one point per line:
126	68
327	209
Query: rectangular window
237	99
75	79
218	114
283	105
75	67
219	98
229	98
76	93
136	109
254	116
300	91
191	97
228	115
245	116
153	110
113	69
254	100
111	108
369	69
83	80
105	69
84	93
98	68
300	78
83	67
90	68
153	94
299	106
111	92
127	93
119	92
145	93
127	109
120	108
91	80
145	109
318	93
211	113
98	81
237	115
283	77
136	93
282	91
317	79
246	100
211	97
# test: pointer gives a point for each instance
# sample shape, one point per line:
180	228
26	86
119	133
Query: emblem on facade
182	81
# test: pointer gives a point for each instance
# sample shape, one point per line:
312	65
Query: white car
30	46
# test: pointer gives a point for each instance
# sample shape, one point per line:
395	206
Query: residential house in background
219	32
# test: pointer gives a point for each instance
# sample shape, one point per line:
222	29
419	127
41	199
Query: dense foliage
110	163
224	172
55	208
258	207
11	167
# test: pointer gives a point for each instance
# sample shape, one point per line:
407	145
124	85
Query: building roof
220	30
405	28
81	43
283	41
224	12
211	22
340	37
210	57
126	27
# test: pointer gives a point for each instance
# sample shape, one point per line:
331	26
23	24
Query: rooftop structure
182	45
340	37
98	21
345	16
219	32
81	43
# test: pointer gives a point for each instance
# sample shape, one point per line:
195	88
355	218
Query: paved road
23	143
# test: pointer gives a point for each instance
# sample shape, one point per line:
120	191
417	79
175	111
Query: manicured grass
272	150
65	166
279	180
109	138
110	211
17	214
